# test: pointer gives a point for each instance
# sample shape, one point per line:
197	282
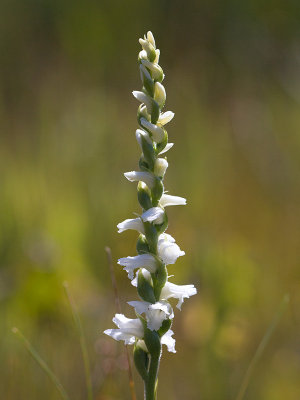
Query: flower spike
155	248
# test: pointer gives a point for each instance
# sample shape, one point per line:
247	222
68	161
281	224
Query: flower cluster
155	248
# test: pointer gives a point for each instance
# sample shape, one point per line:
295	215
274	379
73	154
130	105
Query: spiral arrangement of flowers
155	248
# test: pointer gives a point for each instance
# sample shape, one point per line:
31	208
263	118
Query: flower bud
159	94
156	70
149	48
140	358
147	80
147	147
145	289
144	196
156	131
152	341
142	245
160	167
150	38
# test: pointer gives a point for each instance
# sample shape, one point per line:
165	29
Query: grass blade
118	307
261	347
41	363
82	340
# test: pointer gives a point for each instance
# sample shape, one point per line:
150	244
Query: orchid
156	249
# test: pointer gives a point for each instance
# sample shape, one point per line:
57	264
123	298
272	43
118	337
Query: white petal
139	306
179	292
154	214
166	117
168	200
134	223
167	148
143	54
159	94
169	341
156	131
150	38
168	250
129	329
160	167
143	98
157	51
135	176
142	260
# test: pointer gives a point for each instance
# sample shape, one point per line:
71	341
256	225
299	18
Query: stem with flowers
155	248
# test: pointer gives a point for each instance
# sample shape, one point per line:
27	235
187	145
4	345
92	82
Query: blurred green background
67	134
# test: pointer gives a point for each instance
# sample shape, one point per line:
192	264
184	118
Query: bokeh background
67	134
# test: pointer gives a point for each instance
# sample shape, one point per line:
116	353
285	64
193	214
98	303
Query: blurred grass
67	135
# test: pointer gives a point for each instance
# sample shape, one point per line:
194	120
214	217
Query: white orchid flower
155	313
179	292
129	329
136	176
168	250
142	260
135	224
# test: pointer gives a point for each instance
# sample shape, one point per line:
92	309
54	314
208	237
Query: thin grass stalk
261	347
32	351
118	308
82	341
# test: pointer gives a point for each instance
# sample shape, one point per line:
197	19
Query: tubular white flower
142	260
168	250
135	224
136	176
169	341
160	167
167	148
143	98
154	214
156	131
166	117
168	200
179	292
155	313
159	94
129	329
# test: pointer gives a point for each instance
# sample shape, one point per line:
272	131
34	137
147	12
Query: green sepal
142	245
143	164
145	289
152	341
157	191
141	359
165	326
144	196
162	227
151	54
155	112
142	113
160	146
161	276
148	85
149	152
152	236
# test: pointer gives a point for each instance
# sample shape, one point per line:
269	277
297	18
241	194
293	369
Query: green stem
150	384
